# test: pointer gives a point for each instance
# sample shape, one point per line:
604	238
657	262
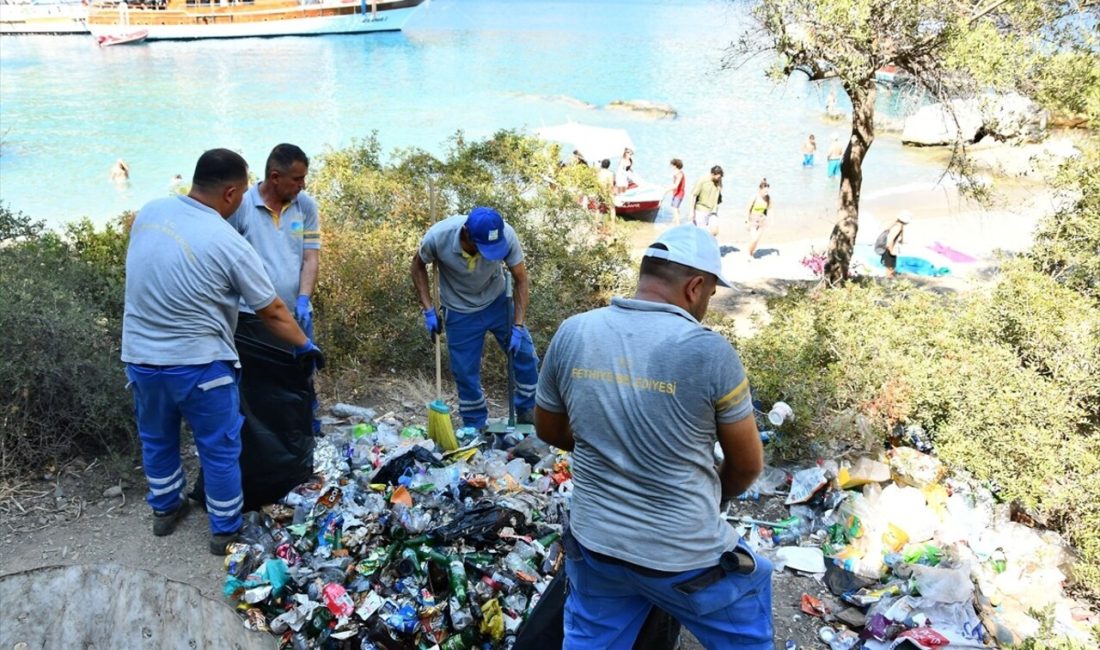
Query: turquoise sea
69	109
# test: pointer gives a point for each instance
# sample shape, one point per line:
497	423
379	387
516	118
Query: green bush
1067	243
375	214
1005	382
60	308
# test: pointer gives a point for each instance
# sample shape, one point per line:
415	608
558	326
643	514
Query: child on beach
758	213
809	148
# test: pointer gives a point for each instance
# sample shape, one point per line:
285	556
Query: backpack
880	243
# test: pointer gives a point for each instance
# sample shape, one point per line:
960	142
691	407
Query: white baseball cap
905	216
691	246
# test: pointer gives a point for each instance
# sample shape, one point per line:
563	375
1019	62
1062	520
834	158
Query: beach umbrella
594	142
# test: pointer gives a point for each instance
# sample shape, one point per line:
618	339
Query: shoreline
940	215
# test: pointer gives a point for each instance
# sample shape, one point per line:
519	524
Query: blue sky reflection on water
68	109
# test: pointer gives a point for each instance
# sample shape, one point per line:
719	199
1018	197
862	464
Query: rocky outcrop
644	107
1009	117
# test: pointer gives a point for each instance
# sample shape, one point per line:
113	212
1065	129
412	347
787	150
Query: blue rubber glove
519	338
310	354
303	313
431	322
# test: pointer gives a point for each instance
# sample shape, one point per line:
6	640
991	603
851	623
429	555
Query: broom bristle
439	426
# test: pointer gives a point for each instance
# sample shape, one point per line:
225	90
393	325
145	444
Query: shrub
63	385
375	214
1067	243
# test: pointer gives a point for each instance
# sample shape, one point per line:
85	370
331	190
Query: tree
950	49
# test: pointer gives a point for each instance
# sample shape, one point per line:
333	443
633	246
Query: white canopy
594	142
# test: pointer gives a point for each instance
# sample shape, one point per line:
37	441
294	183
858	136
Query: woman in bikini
758	213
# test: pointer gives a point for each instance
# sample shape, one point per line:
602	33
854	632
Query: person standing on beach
187	271
470	252
809	148
705	199
891	243
638	384
676	189
758	214
835	155
625	171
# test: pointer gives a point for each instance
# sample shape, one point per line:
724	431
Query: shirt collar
200	205
635	304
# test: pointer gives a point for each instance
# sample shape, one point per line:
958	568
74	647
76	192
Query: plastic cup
780	413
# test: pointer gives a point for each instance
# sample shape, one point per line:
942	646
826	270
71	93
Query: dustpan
519	431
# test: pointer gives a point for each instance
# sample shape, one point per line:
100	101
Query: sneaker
526	416
165	523
218	543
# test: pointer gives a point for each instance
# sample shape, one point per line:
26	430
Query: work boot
165	522
526	416
218	543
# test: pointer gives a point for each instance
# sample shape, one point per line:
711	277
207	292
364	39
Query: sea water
69	110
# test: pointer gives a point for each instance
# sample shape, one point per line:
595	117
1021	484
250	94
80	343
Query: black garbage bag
396	467
479	525
544	628
277	398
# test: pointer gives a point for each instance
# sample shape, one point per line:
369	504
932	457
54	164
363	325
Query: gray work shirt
645	386
466	283
280	239
186	272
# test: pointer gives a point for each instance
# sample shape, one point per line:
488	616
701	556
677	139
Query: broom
440	428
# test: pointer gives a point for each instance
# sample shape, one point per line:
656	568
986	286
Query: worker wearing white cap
640	391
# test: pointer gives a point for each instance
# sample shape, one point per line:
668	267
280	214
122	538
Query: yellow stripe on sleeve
734	396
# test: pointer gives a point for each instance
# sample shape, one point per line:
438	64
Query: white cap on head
905	216
690	246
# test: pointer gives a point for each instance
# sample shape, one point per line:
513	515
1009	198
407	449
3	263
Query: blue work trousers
608	603
466	342
206	395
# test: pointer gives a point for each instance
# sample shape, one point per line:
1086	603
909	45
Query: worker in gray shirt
640	391
468	251
186	272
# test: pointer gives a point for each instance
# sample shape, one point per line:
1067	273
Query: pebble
113	491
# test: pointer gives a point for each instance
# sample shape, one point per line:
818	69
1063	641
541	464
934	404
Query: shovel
502	429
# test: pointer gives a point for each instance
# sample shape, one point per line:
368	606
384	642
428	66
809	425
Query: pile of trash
397	545
913	556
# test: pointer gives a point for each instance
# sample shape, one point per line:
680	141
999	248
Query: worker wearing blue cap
468	251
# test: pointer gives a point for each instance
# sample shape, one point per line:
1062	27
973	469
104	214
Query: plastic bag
944	585
805	484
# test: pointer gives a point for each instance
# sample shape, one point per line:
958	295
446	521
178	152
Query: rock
1002	117
643	106
1037	161
113	491
934	125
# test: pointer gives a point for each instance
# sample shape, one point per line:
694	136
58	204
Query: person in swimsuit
758	213
809	148
835	156
677	189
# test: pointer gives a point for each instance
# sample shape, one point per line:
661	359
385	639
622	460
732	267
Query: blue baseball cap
486	229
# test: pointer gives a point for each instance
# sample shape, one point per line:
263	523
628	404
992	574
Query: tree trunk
843	238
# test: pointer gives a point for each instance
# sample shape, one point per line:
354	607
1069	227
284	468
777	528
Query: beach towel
906	263
951	253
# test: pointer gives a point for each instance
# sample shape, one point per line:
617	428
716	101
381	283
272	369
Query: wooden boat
58	18
197	19
122	37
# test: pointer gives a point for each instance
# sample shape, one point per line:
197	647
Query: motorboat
122	37
640	202
203	19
